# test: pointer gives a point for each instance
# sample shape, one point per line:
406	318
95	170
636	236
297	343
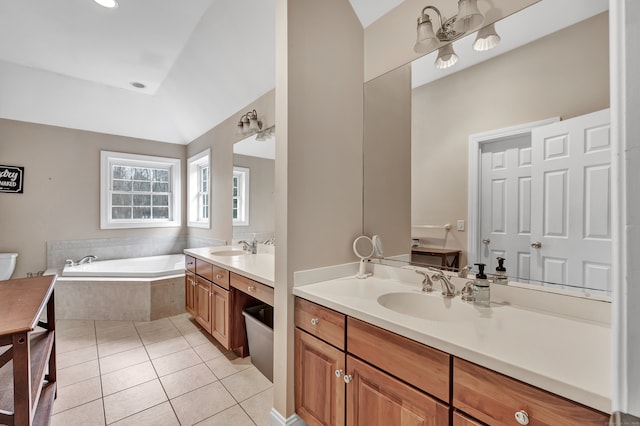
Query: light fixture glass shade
260	137
426	40
446	57
107	3
239	128
486	39
253	124
469	16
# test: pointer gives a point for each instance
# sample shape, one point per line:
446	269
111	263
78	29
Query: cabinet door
319	381
190	293
460	419
220	315
203	303
375	398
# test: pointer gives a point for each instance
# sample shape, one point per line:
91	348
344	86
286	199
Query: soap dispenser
501	272
482	289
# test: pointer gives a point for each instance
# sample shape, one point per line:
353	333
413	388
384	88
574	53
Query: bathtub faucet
87	259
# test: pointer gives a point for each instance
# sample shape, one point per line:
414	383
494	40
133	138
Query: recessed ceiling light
111	4
138	85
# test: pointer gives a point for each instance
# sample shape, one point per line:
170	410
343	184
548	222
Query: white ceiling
71	63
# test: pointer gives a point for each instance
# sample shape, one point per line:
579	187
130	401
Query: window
199	182
240	200
139	191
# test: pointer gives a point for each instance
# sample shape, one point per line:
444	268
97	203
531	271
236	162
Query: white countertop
563	355
258	267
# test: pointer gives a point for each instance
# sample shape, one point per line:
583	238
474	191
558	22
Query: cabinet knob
219	276
339	373
251	289
522	417
536	245
347	378
314	321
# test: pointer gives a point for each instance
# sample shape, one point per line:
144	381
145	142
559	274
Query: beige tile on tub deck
77	394
246	383
202	403
167	347
90	414
175	362
128	377
223	367
122	360
159	415
231	416
133	400
77	373
259	407
183	381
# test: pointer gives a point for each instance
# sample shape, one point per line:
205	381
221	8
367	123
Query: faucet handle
464	271
467	293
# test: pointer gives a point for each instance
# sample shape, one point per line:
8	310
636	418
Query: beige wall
565	74
261	198
220	140
61	199
319	61
387	160
389	41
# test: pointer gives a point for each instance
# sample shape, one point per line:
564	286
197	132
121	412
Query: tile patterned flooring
164	372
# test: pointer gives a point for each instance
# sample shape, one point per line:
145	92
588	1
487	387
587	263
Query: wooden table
30	343
446	258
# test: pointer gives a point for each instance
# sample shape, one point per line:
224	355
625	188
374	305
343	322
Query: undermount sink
431	307
228	253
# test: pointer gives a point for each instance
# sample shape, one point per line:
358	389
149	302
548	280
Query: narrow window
240	196
199	184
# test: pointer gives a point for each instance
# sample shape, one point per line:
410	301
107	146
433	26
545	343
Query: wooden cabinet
496	399
220	314
29	381
375	398
190	292
203	303
459	419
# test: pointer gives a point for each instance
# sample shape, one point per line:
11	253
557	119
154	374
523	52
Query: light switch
461	225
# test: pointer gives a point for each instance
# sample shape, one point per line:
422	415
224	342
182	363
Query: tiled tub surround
558	343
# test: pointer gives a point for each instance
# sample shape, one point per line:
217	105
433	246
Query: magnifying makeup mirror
363	248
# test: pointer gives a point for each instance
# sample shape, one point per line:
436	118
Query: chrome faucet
87	259
269	242
427	284
464	271
448	289
253	246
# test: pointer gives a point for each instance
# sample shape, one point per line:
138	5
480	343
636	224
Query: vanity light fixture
249	123
265	134
467	19
110	4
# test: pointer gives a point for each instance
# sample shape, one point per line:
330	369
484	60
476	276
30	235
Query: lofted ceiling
71	63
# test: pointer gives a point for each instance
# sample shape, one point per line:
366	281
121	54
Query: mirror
253	189
563	74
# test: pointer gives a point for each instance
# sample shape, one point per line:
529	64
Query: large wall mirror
253	188
559	70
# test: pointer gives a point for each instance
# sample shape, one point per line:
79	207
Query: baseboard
276	419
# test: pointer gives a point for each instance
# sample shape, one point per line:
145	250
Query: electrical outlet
461	225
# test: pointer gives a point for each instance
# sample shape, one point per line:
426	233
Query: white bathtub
136	289
137	267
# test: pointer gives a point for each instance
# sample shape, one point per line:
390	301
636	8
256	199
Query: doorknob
486	241
536	245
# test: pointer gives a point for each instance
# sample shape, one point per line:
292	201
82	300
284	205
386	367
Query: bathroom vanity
220	282
360	362
28	382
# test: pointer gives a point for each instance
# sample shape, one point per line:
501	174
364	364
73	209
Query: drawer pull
314	321
347	378
339	373
251	289
219	276
522	417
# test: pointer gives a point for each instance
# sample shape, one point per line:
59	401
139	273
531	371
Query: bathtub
136	267
135	289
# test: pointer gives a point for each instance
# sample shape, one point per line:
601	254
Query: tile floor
164	372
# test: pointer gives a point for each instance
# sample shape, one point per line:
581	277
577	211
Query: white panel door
505	210
571	202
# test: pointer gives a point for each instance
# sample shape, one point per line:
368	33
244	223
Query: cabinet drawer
495	399
426	368
220	276
190	263
252	288
324	323
460	419
204	269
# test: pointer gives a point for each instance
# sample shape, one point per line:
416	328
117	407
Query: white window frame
242	174
108	159
195	164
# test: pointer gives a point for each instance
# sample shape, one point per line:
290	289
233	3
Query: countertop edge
216	261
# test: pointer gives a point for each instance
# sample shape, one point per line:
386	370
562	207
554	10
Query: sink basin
431	307
228	253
